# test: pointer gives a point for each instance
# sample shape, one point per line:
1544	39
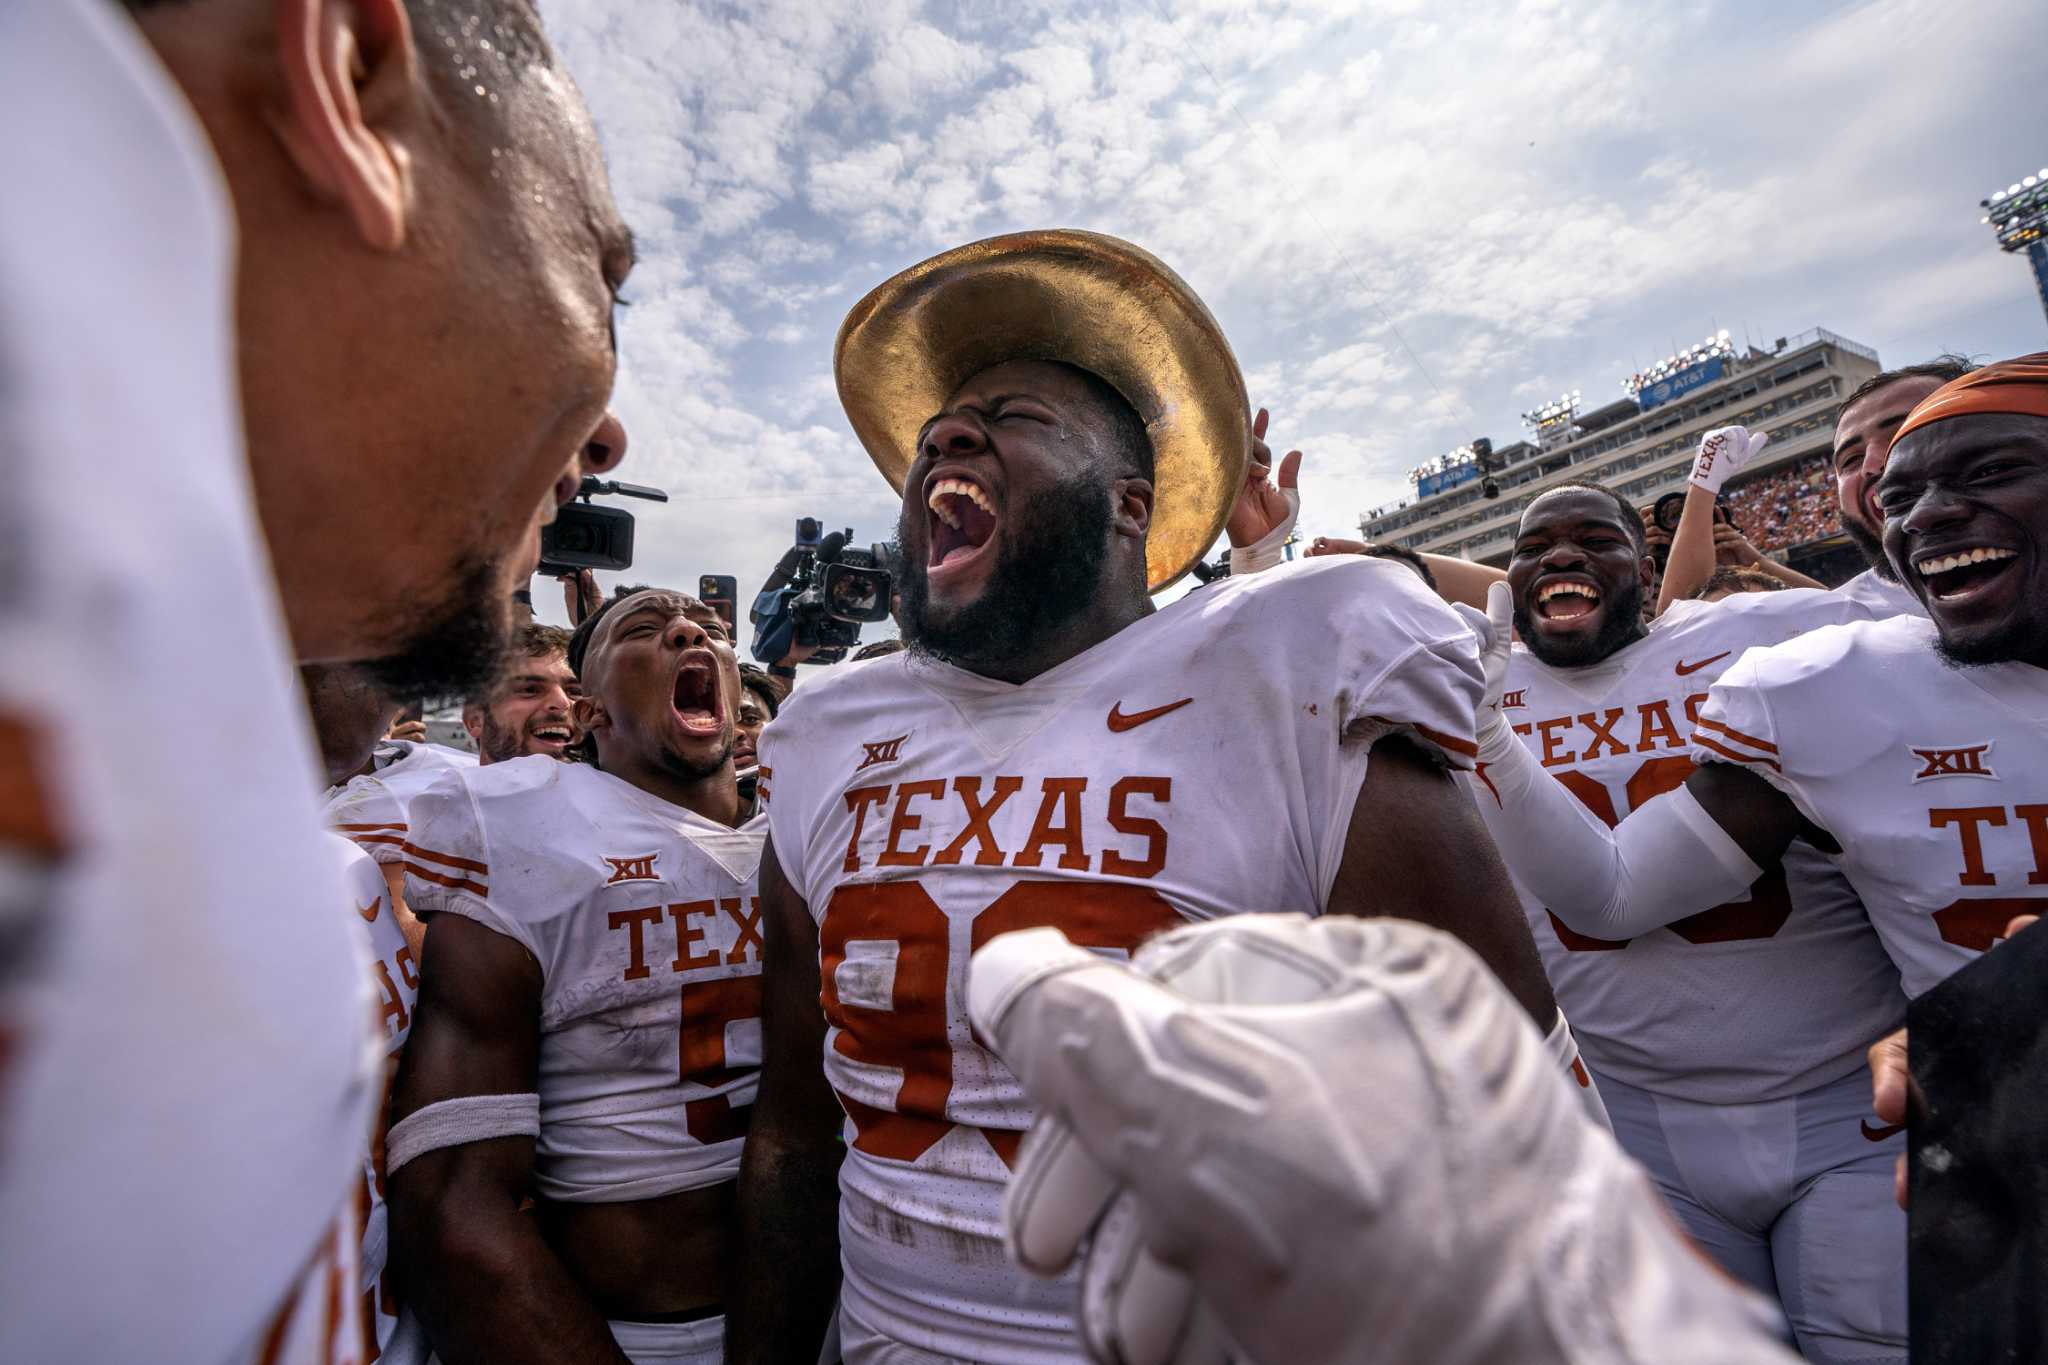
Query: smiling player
593	940
1750	1017
530	708
1068	430
1917	747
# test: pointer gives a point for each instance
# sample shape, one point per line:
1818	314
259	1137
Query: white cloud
1512	196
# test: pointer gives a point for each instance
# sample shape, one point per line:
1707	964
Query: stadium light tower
2019	215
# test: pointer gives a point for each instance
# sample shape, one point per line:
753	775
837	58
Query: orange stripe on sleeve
1760	745
440	879
365	829
1708	742
448	859
1451	742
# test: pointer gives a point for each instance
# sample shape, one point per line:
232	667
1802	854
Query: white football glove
1722	454
1494	628
1350	1138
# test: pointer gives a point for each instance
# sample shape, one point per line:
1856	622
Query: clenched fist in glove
1722	454
1297	1142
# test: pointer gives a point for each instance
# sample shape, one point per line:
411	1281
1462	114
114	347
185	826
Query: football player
1728	1045
1864	431
306	291
588	1018
1916	747
1068	430
530	706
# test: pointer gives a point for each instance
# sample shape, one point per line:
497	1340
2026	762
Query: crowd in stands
1788	506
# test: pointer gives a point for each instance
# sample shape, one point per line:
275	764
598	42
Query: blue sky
1415	221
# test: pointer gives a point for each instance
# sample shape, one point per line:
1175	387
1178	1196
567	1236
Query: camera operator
815	600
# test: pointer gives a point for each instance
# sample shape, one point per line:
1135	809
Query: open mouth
696	698
1566	599
962	521
1963	574
550	736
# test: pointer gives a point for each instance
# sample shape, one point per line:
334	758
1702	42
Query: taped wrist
456	1122
1267	550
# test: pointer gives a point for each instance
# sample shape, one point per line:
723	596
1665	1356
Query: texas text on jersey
1751	1001
1935	783
643	919
1198	763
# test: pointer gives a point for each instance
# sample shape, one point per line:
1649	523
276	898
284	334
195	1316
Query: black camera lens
1667	511
807	530
576	538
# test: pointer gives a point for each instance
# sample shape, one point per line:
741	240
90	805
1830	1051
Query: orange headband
2010	386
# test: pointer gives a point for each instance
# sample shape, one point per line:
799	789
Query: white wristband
1267	551
453	1123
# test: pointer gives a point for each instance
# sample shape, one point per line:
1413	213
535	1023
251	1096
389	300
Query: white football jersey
184	1043
1757	1000
645	920
395	988
1933	779
1204	761
1878	598
371	809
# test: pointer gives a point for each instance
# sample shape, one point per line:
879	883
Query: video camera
584	536
820	594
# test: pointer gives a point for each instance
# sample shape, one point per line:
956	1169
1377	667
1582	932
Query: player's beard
1622	626
454	641
498	743
1048	570
697	769
2020	640
1872	548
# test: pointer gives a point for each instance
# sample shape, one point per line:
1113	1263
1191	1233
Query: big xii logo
1966	761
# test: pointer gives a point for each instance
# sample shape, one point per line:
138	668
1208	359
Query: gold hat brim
1079	297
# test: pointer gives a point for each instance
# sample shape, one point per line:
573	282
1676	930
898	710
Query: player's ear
473	720
588	714
1646	570
1133	509
350	77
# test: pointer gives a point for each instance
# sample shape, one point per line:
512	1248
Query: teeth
1550	590
1980	555
956	488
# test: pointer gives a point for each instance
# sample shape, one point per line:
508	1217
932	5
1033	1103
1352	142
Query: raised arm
1689	850
1416	850
469	1262
1723	452
785	1278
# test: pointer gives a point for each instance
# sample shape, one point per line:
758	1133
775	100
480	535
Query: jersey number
914	1034
708	1006
1762	915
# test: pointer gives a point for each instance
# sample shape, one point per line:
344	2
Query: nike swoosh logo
1880	1134
369	912
1685	668
1119	722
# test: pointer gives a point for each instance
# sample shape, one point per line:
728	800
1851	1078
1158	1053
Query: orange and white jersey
184	1088
371	809
394	987
1204	761
1933	779
1879	598
1757	1000
645	921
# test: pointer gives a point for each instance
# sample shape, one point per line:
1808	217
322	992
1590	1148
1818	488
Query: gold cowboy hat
1060	294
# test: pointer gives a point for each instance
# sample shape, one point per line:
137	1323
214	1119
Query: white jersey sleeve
368	814
1927	775
447	865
